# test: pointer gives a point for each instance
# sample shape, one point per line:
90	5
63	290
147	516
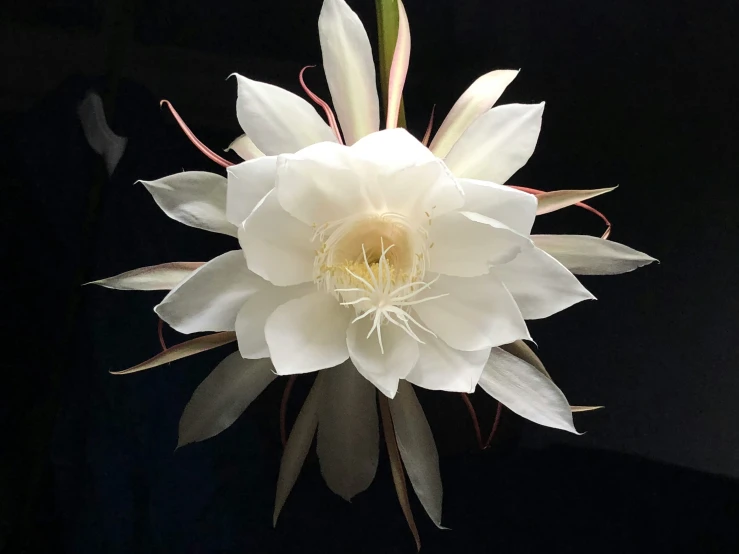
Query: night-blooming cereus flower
373	260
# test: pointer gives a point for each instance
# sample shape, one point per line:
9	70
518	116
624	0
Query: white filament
383	299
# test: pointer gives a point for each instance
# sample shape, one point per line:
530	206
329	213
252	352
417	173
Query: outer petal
298	445
540	284
348	432
153	277
466	244
276	120
418	450
277	246
557	199
211	297
182	350
248	183
512	207
350	70
475	101
498	143
475	314
245	148
195	198
252	317
585	255
441	367
222	397
383	369
523	351
526	391
307	334
328	182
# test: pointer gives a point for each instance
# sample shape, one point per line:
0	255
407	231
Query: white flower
404	280
363	249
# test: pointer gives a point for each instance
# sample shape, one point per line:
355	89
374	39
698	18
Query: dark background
639	93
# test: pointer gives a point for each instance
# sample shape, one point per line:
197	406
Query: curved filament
473	417
189	134
498	413
160	332
326	108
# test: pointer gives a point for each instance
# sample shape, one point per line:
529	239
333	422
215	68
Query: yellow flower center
375	264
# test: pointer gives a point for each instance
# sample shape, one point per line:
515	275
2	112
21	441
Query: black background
639	94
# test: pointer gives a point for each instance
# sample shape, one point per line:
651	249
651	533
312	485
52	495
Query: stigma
379	291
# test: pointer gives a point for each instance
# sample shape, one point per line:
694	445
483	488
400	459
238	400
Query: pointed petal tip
580	409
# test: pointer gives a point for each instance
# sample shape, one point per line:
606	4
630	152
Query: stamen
367	265
350	272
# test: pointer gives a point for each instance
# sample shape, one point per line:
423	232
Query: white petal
420	192
328	182
222	397
195	198
298	445
540	284
441	367
476	313
498	143
248	183
523	351
466	244
526	391
383	369
182	350
211	297
152	277
308	334
350	70
245	148
418	450
557	199
514	208
276	120
252	317
475	101
322	183
585	255
348	432
395	148
277	246
398	69
410	179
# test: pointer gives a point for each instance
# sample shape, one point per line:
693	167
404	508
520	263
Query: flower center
375	264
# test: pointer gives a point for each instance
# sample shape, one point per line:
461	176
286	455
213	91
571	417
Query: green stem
387	36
